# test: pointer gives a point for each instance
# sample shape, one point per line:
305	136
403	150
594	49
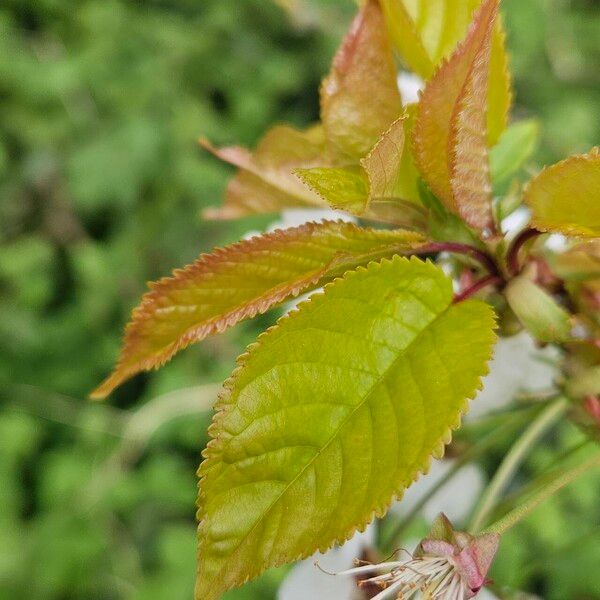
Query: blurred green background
101	186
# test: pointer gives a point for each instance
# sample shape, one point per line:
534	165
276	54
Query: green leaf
390	165
425	32
579	263
343	188
378	176
442	225
383	187
565	197
585	383
450	139
538	312
332	414
360	97
240	281
513	150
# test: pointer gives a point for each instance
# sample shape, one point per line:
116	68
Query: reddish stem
478	286
512	257
481	257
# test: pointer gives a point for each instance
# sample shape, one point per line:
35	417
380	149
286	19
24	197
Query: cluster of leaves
101	182
383	362
97	199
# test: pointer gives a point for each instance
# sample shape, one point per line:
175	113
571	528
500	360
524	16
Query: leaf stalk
513	460
512	258
559	480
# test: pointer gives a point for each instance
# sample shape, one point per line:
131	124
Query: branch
486	261
478	286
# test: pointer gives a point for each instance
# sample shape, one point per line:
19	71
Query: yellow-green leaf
500	94
383	164
407	37
579	263
265	182
450	132
514	149
538	312
332	414
379	175
382	187
360	97
585	383
565	197
343	188
425	32
241	281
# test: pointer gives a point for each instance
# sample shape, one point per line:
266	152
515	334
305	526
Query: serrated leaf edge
145	309
480	216
446	196
222	405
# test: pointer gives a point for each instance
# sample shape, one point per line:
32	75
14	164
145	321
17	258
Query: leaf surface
265	182
426	32
383	164
241	281
332	414
538	312
378	176
514	149
565	198
579	263
450	133
360	97
407	37
343	188
382	187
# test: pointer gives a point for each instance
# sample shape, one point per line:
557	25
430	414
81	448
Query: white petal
518	366
409	85
456	498
516	221
307	582
293	217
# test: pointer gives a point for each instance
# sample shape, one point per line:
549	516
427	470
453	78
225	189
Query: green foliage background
101	185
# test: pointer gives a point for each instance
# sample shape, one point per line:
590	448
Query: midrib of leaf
336	434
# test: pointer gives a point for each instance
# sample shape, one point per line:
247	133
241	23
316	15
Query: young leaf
579	263
379	176
344	188
360	97
565	197
383	164
407	37
513	150
452	116
500	93
332	414
241	281
407	179
425	32
586	383
265	182
538	311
